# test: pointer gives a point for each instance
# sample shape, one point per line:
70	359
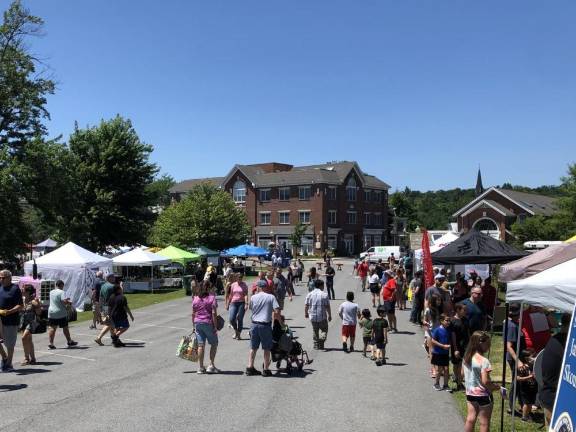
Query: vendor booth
178	255
75	266
134	269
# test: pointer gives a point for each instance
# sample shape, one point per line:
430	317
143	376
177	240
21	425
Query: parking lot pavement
145	387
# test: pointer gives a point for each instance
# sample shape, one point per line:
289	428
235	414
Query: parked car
381	252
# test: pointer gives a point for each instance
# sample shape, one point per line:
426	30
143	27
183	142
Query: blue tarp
245	251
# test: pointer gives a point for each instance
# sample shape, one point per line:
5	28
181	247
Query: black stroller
286	348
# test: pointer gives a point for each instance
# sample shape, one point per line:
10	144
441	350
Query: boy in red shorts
349	313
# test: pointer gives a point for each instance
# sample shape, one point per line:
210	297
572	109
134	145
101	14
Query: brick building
495	210
343	207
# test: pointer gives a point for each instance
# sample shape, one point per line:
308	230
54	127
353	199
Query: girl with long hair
479	386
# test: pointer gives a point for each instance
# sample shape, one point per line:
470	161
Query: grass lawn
496	356
140	300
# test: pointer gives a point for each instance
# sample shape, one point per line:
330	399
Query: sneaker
344	347
99	342
437	387
92	327
72	343
8	368
252	371
384	361
351	349
200	371
266	373
51	346
378	362
447	389
4	364
213	370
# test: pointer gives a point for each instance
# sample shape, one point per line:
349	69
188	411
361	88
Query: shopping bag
72	314
188	348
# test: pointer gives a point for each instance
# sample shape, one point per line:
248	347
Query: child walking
441	339
479	386
366	325
349	314
527	384
380	335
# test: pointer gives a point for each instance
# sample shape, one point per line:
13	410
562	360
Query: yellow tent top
178	255
571	239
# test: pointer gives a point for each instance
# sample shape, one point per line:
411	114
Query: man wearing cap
475	310
318	310
434	289
264	309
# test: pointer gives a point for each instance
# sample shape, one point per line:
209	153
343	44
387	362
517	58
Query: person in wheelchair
285	347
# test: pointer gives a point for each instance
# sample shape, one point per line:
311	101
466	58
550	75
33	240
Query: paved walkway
144	387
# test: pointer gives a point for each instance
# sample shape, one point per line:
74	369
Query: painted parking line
123	338
163	326
59	355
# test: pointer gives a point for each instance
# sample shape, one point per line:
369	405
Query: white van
380	252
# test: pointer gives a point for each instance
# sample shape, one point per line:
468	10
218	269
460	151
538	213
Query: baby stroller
286	347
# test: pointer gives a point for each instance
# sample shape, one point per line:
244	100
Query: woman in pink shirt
204	319
236	301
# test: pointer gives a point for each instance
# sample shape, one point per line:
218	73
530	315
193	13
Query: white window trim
335	213
309	197
309	216
260	217
283	212
264	190
284	188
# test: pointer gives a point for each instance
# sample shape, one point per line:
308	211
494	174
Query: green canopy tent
177	255
206	252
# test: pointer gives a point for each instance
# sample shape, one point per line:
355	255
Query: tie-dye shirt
473	376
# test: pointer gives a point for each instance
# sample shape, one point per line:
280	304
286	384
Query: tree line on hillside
434	209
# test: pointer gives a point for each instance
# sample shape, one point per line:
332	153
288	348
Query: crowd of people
456	317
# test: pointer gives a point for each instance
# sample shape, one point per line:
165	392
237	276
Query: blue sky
420	93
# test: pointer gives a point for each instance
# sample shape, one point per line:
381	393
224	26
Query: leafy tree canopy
206	216
112	171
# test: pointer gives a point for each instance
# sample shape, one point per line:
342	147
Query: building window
304	193
377	195
377	240
367	241
284	194
284	218
332	193
265	195
367	219
351	189
307	244
265	218
367	195
352	218
377	219
331	217
239	192
304	216
332	242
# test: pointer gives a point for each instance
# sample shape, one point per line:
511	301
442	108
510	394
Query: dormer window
351	189
239	192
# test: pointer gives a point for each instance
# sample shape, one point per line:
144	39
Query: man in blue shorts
264	309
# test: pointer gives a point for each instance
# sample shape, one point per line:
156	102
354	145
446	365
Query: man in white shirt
318	310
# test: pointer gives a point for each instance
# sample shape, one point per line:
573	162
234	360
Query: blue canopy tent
245	251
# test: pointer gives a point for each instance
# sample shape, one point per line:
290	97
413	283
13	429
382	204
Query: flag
427	260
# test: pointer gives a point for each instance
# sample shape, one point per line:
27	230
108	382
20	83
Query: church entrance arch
487	226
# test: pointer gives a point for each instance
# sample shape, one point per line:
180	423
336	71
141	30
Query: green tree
111	205
296	236
23	92
206	216
403	207
159	190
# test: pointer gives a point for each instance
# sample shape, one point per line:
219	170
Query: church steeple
479	188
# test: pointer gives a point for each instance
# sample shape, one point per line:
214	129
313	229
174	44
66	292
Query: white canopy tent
140	258
554	288
75	266
446	239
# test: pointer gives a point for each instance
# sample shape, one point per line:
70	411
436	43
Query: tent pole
152	279
516	366
504	368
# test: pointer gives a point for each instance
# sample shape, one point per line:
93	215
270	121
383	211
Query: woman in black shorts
479	386
374	285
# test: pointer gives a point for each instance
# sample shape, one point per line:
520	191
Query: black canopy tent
475	247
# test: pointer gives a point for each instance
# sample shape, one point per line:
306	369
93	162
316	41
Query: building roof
186	185
538	204
534	204
260	176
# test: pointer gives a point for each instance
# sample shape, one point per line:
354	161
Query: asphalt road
145	387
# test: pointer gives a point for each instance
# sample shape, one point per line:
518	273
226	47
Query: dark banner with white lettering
564	416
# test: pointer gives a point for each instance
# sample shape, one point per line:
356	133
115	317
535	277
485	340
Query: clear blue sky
418	92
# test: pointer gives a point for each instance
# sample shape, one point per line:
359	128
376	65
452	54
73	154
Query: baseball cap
261	284
514	309
439	276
